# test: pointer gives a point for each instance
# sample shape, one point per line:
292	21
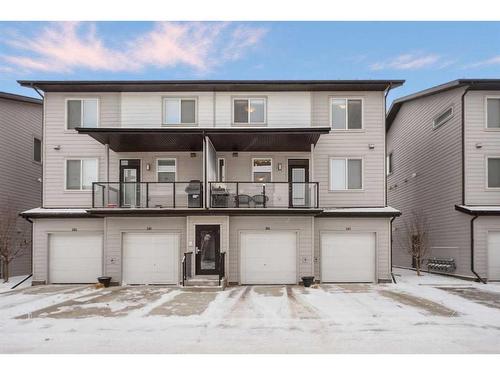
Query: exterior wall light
371	146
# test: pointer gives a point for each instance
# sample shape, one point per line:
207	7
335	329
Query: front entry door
298	171
207	249
130	188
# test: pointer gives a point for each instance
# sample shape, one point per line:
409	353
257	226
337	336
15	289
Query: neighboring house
257	182
443	148
20	170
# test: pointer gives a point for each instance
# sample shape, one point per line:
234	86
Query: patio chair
243	200
260	200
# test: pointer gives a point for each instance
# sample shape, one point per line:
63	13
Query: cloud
411	61
495	60
68	46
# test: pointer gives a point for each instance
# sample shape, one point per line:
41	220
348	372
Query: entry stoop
205	284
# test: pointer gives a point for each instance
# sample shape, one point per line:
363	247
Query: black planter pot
104	280
308	281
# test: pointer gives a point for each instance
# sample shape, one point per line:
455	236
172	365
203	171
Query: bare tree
416	238
13	240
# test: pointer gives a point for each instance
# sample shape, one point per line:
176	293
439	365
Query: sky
423	53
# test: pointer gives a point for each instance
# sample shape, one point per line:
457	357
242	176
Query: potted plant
307	281
104	280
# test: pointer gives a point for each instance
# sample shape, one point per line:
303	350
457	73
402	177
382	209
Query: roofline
214	85
473	212
208	131
473	84
19	98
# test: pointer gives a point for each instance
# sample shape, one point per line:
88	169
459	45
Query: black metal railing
222	267
243	194
187	260
147	194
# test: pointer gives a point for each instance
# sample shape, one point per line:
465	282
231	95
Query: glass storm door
298	176
207	249
130	176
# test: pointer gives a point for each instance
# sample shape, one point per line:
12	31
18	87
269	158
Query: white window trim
390	166
81	173
487	158
446	119
223	179
346	174
179	98
66	112
253	168
486	113
249	98
346	129
33	150
158	171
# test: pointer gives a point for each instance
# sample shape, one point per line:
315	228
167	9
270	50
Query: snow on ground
427	314
7	286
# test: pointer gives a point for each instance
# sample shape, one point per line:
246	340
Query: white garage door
347	257
269	257
150	258
75	257
494	256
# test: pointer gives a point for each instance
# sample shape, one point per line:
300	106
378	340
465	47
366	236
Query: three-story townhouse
249	182
443	148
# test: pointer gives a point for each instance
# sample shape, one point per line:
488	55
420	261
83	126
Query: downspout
43	140
392	274
31	261
479	278
385	146
463	142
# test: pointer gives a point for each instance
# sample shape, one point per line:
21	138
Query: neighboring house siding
351	143
20	188
381	228
72	145
476	192
427	178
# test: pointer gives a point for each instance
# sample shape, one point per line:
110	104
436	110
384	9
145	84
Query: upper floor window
166	170
494	172
80	173
346	114
262	169
37	150
346	174
249	110
493	113
82	113
221	169
389	164
179	111
442	118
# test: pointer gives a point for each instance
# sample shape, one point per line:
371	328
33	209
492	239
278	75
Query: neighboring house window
346	114
262	169
493	113
389	164
249	111
37	150
221	169
80	173
82	113
166	170
494	172
178	111
346	174
443	117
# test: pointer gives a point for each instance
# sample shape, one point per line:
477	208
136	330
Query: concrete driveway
431	314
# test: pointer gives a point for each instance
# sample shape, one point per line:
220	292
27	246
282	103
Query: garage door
268	258
494	256
347	257
75	257
150	258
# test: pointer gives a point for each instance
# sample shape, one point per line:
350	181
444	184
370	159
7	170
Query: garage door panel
268	258
347	257
150	258
494	256
75	257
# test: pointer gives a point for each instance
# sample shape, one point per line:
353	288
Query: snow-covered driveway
430	314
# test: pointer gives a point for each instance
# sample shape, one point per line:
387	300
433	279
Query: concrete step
203	288
202	282
204	285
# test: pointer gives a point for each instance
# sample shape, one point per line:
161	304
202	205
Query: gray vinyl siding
72	145
379	226
301	225
427	177
351	143
20	188
476	191
41	230
115	227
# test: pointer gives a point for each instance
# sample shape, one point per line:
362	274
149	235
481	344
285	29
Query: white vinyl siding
493	172
179	111
82	113
166	170
346	174
249	110
262	169
346	114
80	173
493	113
